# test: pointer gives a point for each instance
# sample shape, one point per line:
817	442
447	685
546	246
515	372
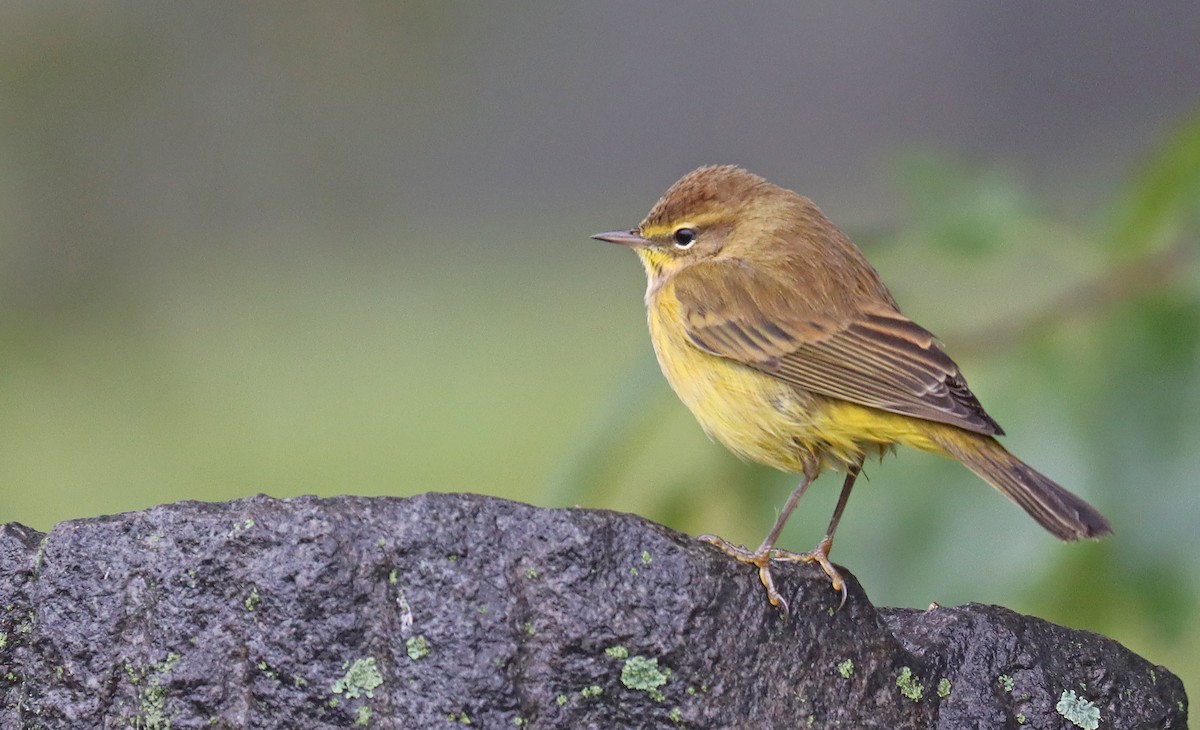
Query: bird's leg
766	551
820	554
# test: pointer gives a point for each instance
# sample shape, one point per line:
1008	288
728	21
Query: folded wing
867	353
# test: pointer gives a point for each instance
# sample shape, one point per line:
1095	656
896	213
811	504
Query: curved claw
760	558
773	596
819	555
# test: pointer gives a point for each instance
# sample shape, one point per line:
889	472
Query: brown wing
871	354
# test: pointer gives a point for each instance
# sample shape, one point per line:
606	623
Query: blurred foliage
343	249
1090	356
269	363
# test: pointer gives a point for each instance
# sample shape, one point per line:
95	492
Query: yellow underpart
767	420
654	260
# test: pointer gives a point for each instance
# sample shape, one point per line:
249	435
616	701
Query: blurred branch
1166	187
1157	202
1089	298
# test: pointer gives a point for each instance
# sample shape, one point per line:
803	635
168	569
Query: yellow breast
762	418
756	416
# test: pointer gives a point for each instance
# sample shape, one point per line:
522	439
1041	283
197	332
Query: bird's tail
1068	517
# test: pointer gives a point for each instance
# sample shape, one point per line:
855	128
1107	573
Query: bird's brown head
698	218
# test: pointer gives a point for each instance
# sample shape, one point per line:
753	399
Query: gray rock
442	610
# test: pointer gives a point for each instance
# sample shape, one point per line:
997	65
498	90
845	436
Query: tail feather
1066	516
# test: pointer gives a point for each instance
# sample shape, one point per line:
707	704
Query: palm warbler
782	340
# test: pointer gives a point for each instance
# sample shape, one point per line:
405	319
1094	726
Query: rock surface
444	610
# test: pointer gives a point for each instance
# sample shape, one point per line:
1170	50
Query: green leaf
1162	195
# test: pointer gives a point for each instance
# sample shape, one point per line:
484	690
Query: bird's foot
819	555
760	558
763	557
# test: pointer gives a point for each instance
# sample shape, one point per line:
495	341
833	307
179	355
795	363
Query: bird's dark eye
684	238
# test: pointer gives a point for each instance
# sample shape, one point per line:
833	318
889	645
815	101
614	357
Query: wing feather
868	354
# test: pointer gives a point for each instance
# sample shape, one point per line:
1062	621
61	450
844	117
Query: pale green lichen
266	670
168	664
393	578
417	647
239	527
908	684
1006	682
152	714
3	639
646	558
560	700
846	668
152	699
1081	712
675	715
362	717
530	629
253	600
617	652
1021	719
531	574
362	678
643	674
944	688
593	691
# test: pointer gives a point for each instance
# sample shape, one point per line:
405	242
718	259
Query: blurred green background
342	248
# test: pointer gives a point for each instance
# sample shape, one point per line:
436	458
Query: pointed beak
631	238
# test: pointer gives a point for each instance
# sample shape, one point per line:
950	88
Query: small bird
782	340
